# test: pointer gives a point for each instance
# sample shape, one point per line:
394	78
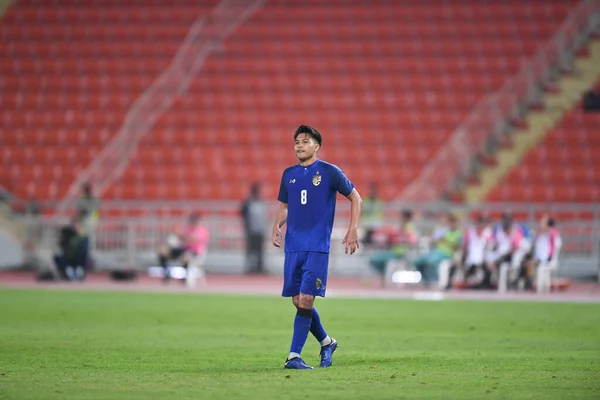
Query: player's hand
351	241
277	236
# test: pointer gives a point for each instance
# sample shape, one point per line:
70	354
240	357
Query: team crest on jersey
319	282
317	180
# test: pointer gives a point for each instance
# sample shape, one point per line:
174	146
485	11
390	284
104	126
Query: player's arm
282	213
351	238
280	219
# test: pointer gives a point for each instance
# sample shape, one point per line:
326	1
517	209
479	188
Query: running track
270	285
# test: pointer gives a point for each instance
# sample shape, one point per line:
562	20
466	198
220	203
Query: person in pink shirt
185	245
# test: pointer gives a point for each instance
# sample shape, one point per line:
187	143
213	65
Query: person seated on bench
72	257
510	245
546	245
475	245
184	245
445	245
398	243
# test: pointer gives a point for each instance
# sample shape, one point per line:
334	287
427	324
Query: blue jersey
310	193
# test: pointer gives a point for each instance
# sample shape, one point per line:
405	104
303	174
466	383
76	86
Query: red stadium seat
384	82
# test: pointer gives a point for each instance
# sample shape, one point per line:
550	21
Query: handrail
205	34
229	207
489	117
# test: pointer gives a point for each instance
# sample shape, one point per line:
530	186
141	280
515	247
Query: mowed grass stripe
118	345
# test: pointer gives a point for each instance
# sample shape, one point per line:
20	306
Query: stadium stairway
537	124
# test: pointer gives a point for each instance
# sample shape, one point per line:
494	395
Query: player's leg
420	264
303	303
61	264
186	258
314	283
163	258
316	327
302	323
292	280
260	248
451	272
435	258
487	269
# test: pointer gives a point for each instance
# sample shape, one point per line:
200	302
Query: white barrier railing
133	235
489	117
133	241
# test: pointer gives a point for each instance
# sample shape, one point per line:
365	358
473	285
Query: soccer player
307	198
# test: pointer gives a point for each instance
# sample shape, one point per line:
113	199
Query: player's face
305	147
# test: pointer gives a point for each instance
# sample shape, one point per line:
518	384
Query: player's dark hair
309	130
551	222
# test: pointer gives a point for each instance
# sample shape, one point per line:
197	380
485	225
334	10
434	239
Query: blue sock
301	328
316	328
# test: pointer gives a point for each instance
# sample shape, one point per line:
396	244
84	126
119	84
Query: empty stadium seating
69	71
385	83
565	167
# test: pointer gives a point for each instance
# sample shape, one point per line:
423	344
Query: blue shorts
305	272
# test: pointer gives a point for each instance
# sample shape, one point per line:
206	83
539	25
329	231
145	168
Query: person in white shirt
510	245
475	244
546	247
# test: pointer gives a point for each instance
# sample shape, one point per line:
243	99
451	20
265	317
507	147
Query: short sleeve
283	193
341	183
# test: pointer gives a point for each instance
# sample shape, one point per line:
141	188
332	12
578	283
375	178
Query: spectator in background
71	259
546	247
187	244
399	241
254	213
446	242
88	212
476	242
88	207
441	228
510	245
372	213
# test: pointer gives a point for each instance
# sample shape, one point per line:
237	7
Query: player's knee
296	301
306	301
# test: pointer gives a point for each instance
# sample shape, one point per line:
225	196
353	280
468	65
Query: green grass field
95	345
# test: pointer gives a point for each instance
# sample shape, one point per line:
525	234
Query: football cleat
327	353
296	363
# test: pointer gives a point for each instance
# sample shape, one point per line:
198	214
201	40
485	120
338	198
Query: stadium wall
132	241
